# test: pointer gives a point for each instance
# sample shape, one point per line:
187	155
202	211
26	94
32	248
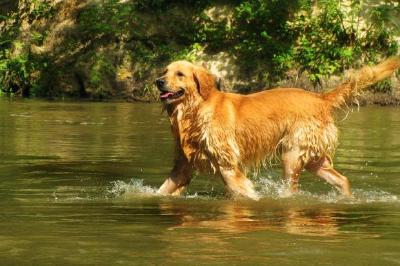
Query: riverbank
368	98
381	99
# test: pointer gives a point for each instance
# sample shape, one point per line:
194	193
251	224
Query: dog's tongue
166	95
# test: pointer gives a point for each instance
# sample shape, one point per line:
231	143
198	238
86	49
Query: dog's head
182	80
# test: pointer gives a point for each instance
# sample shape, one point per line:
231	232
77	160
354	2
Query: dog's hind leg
238	184
292	166
179	178
323	168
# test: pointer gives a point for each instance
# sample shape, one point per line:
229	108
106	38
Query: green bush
322	38
332	40
20	71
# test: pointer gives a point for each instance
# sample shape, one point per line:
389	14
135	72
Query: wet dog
227	133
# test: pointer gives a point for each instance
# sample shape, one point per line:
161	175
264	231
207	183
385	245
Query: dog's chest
193	133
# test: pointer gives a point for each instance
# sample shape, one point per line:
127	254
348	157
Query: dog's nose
160	82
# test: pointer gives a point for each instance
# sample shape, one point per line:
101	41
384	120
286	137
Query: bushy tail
366	76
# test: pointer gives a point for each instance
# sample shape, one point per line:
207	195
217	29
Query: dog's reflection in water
240	217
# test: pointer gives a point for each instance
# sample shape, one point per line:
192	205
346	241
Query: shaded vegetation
113	48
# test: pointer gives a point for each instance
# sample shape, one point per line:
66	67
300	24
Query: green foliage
266	37
322	38
384	86
259	32
333	39
110	18
146	30
41	9
19	69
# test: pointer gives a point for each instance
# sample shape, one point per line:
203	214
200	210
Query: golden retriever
228	133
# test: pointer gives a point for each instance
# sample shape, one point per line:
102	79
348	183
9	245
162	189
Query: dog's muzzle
165	92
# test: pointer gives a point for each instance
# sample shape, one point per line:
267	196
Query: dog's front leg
238	184
179	178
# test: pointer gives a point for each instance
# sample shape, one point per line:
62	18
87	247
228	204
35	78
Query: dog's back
264	124
278	120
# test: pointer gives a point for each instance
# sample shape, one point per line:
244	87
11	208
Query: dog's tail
348	91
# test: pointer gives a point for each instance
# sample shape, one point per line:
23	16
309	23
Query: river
78	182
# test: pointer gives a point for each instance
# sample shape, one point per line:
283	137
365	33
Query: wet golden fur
228	133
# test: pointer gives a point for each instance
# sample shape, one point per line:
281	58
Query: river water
78	181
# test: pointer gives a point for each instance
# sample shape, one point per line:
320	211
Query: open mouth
167	95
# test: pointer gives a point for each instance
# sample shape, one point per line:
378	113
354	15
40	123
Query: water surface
77	183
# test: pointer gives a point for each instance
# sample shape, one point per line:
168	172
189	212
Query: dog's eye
179	74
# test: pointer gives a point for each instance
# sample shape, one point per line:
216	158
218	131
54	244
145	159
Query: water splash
271	188
266	187
133	188
373	196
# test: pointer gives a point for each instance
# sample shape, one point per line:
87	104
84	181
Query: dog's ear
205	82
